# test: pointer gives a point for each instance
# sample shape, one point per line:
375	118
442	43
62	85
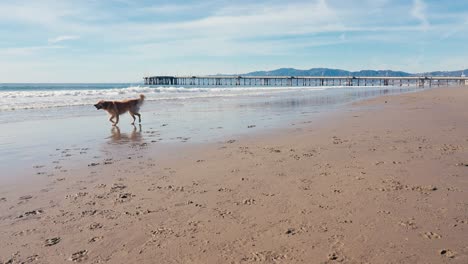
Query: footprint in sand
223	213
79	256
409	224
95	239
3	199
30	213
424	189
383	212
95	226
460	221
124	197
52	241
196	204
291	231
76	196
162	231
31	259
266	256
337	140
332	256
117	187
431	235
249	201
87	213
295	156
274	150
447	253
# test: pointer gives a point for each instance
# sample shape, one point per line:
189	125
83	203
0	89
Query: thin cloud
419	12
36	13
237	22
168	9
62	38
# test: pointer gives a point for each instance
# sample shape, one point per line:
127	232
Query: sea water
25	102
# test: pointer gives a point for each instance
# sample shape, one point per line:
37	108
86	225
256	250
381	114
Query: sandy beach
381	181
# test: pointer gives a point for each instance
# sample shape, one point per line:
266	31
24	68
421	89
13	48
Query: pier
290	81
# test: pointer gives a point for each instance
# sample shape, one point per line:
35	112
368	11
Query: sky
124	40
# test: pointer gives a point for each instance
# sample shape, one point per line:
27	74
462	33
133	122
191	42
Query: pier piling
219	80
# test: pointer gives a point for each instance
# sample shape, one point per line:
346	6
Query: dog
117	108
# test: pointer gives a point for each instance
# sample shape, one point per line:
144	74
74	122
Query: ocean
39	96
45	99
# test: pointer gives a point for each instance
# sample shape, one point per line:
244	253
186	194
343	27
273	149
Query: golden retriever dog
117	108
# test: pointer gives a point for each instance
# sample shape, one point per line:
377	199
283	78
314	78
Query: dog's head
102	105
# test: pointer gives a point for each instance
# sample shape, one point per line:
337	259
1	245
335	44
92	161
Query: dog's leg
139	117
111	119
116	120
133	116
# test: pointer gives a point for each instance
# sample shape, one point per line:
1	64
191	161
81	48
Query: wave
48	98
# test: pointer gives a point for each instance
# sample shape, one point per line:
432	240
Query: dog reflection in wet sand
118	137
117	108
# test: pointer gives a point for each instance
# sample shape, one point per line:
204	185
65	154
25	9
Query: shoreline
382	181
78	133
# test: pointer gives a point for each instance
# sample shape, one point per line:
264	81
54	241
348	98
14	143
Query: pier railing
219	80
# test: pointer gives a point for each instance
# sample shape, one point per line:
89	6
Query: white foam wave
13	100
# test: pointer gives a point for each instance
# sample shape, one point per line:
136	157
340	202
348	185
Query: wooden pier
297	81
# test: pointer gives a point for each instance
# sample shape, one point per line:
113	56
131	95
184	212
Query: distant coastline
340	72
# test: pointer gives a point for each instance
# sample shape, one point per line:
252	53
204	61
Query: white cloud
62	38
222	47
168	8
419	12
237	22
41	13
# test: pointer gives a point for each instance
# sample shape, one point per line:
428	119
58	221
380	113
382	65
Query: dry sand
385	181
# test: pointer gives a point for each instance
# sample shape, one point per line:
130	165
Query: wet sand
383	181
36	136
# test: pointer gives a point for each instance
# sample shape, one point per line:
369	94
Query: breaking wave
34	97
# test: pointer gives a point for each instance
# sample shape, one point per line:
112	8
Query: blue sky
123	40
